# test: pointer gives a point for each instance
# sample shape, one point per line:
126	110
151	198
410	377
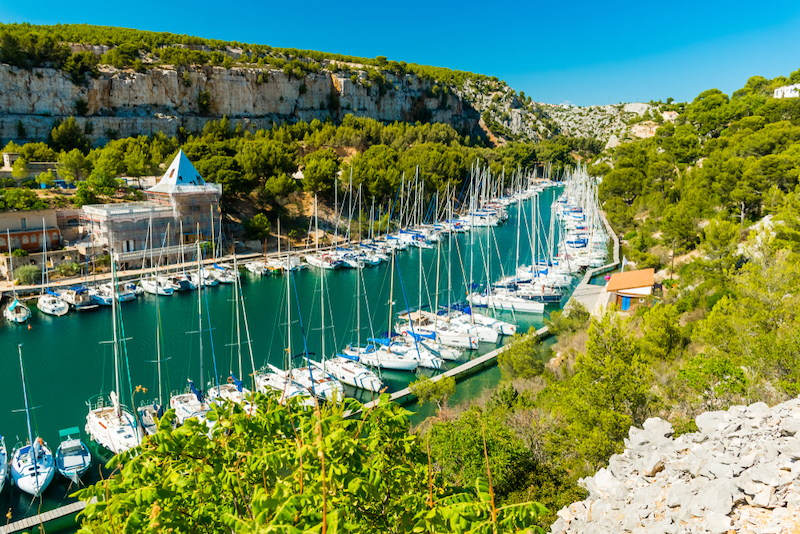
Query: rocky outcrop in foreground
739	473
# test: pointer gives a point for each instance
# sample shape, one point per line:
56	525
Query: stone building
787	91
180	208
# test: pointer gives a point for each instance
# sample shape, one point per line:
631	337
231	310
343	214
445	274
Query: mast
11	263
288	319
25	394
391	301
46	278
117	406
200	285
236	283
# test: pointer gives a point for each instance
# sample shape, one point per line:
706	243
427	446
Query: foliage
19	253
28	275
73	166
20	199
48	179
68	135
573	317
284	469
662	336
457	447
319	173
521	358
427	390
257	227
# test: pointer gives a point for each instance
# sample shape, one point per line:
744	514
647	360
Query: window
24	240
23	222
33	238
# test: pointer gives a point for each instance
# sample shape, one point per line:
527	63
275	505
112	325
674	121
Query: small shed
631	288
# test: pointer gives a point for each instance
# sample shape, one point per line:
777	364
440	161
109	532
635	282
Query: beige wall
12	220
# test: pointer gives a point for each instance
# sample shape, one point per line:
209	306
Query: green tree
457	447
662	337
73	166
68	135
607	394
319	173
426	390
521	357
257	227
279	186
47	179
19	169
719	245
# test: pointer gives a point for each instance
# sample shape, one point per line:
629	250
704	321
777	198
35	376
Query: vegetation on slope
724	332
286	469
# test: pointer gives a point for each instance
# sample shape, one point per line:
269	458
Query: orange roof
631	279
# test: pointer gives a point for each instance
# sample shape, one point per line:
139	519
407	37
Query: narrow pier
591	295
41	519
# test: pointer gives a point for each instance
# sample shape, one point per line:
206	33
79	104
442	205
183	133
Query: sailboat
192	403
154	284
32	465
49	302
234	389
347	369
383	353
110	423
271	380
73	458
321	260
16	311
3	462
150	411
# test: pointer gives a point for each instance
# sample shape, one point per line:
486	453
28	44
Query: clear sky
570	51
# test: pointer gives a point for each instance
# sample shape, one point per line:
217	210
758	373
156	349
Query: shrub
28	274
19	253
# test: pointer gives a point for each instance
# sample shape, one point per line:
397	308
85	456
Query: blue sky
579	52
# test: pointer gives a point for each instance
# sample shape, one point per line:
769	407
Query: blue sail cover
14	304
354	358
51	292
380	340
218	267
195	391
79	289
237	382
420	337
158	409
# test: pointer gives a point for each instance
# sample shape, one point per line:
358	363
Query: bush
204	102
19	253
28	275
68	269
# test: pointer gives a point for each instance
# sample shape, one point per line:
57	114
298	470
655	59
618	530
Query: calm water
66	363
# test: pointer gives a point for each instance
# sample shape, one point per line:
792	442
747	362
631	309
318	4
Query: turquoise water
66	363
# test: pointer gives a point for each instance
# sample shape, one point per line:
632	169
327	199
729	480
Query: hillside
122	82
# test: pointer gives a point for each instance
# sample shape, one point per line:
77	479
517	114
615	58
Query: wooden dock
44	517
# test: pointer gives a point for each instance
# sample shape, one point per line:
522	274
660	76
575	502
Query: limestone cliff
126	103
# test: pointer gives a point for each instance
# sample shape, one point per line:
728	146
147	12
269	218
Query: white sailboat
110	423
272	380
192	403
32	465
347	369
3	462
233	390
155	284
16	311
49	302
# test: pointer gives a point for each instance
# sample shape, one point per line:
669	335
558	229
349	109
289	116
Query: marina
74	364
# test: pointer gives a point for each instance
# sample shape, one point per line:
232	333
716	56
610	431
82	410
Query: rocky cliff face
739	473
126	103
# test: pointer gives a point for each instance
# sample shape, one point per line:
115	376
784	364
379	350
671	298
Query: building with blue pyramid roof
179	207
